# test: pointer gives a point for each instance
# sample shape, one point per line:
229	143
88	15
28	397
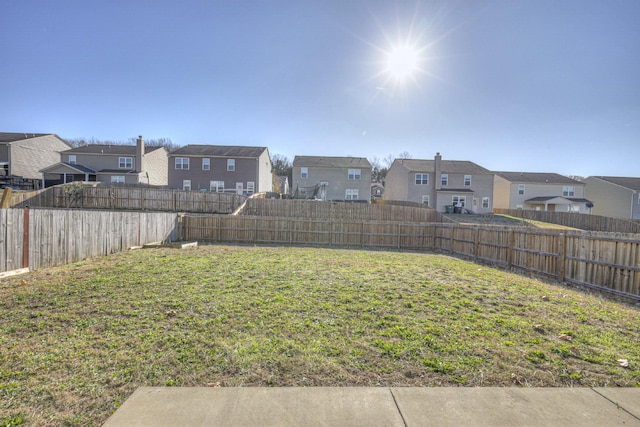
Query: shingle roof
17	136
110	149
547	198
537	178
446	166
219	151
627	182
331	162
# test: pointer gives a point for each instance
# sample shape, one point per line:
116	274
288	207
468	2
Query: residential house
377	190
441	184
331	178
23	155
539	191
613	196
115	164
221	168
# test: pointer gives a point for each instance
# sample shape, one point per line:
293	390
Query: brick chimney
140	154
437	171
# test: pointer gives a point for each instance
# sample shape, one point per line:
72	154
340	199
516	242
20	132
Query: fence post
476	232
25	239
511	238
562	242
399	236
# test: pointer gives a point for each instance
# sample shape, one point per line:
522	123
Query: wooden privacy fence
606	261
311	209
38	238
576	220
129	198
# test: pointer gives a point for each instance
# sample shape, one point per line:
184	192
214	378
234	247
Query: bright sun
402	62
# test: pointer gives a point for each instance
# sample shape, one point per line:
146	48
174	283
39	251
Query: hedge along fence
576	220
340	210
39	238
605	261
128	198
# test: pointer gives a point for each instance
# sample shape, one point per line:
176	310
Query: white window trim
444	179
568	191
486	199
354	174
251	187
231	165
72	159
521	187
467	180
422	180
304	172
351	194
186	184
182	162
206	164
216	186
425	200
125	161
117	179
462	199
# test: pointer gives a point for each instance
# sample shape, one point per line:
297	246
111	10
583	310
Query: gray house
221	168
331	178
115	164
614	196
440	184
539	191
23	155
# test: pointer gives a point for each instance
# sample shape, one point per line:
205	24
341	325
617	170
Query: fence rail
606	261
576	220
128	198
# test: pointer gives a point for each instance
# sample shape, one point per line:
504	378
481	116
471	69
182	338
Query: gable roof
446	166
219	151
627	182
538	178
331	162
109	149
6	137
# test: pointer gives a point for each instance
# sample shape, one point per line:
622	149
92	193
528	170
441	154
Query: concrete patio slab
627	398
509	407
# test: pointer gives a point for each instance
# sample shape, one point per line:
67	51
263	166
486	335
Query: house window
125	162
568	191
231	165
117	179
182	163
485	203
351	194
186	184
467	180
354	174
217	186
304	172
519	207
72	159
459	200
574	208
425	200
251	187
444	179
520	189
422	178
206	164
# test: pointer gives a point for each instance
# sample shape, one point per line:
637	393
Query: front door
239	188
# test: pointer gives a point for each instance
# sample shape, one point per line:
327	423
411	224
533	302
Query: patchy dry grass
77	340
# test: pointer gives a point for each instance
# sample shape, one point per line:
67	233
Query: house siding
337	179
501	193
264	183
28	156
396	184
4	152
156	163
612	200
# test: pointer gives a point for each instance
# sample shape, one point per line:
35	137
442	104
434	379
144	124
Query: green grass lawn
78	340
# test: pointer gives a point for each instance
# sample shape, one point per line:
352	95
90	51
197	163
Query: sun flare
402	63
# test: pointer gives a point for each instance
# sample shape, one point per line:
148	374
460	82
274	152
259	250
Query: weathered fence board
11	232
576	220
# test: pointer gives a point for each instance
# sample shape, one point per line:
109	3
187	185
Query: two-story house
539	191
331	178
614	196
221	168
440	184
115	164
23	155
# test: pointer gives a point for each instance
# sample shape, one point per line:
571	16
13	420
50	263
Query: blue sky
516	85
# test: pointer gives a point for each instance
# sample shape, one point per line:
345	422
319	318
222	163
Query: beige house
441	184
539	191
617	197
23	155
114	164
331	178
221	168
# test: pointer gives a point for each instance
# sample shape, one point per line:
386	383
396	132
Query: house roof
537	178
219	151
547	198
6	137
331	162
446	166
627	182
109	149
71	166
